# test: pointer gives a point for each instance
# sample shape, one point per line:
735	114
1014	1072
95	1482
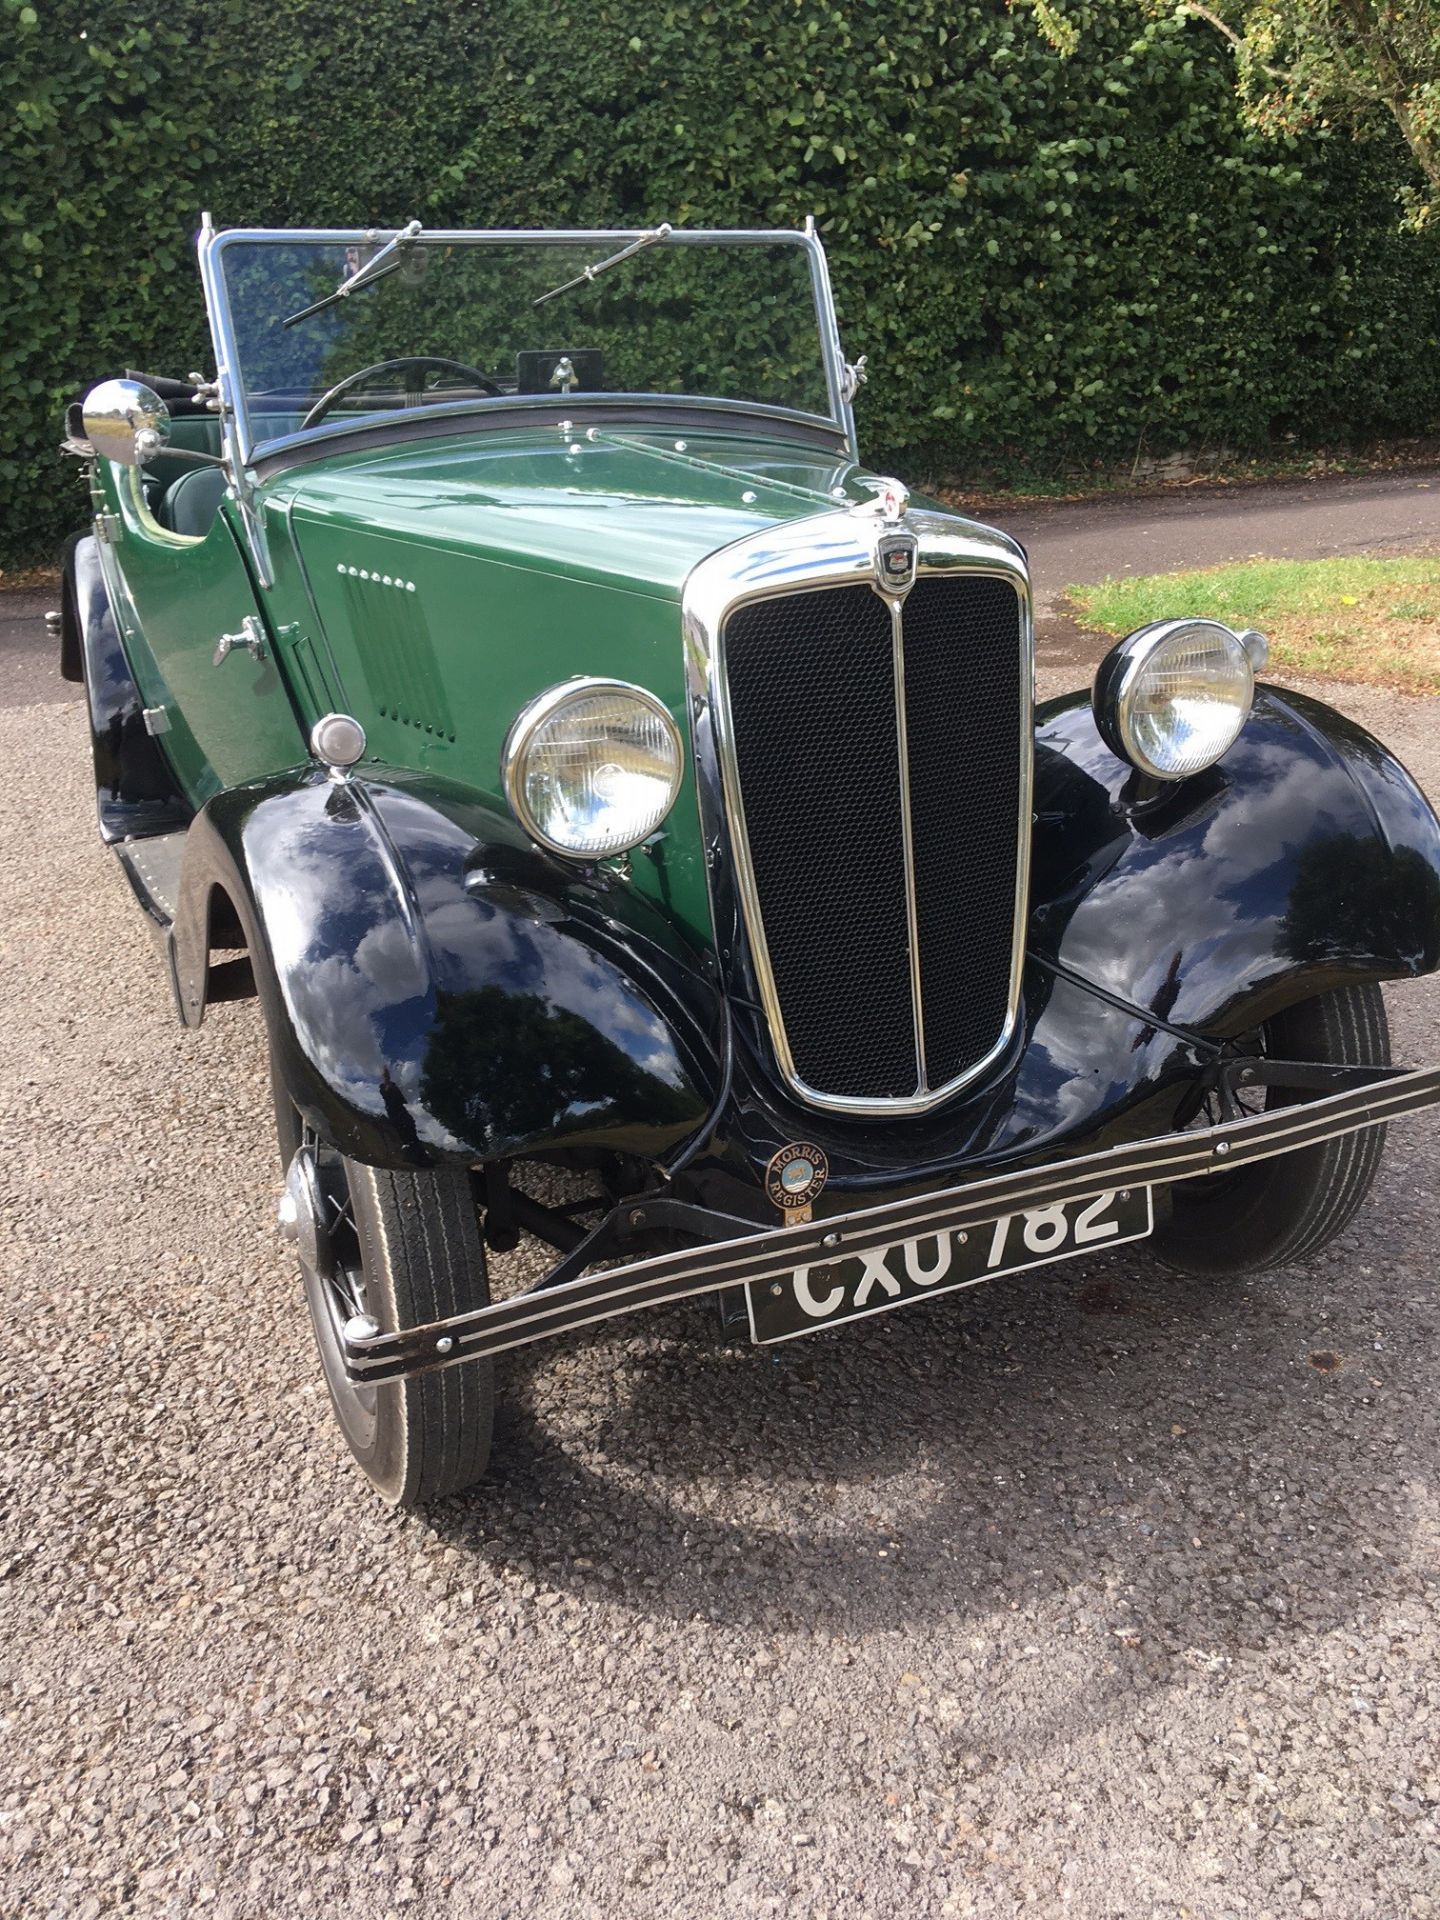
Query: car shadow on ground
1107	1439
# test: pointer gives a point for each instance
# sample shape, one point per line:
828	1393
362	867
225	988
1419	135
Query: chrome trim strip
515	411
234	421
907	840
835	550
528	236
700	460
837	377
774	1253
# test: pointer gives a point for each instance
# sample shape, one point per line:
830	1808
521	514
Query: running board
775	1253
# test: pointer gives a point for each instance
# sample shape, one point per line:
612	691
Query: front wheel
1289	1207
402	1249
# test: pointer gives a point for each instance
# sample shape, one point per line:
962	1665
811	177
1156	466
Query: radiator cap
890	499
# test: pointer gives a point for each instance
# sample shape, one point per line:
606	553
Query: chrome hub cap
302	1214
316	1217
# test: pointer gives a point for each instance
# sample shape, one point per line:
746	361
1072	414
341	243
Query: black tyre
1287	1208
403	1248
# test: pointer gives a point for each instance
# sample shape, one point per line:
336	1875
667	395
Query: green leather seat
190	505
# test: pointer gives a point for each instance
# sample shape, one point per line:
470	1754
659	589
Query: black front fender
436	990
136	793
1308	858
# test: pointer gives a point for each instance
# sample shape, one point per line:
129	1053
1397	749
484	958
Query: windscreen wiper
661	232
378	264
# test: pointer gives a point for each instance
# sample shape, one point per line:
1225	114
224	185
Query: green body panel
227	723
437	589
623	509
434	588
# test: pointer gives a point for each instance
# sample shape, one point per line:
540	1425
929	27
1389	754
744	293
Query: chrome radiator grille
881	759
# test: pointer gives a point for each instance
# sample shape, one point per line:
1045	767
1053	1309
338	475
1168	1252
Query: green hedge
1045	259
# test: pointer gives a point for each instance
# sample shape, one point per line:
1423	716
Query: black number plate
859	1284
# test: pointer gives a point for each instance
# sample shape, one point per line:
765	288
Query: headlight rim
533	715
1119	675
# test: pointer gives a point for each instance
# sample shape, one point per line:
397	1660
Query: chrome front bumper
773	1254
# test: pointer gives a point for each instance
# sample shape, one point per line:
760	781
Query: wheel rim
335	1291
1252	1101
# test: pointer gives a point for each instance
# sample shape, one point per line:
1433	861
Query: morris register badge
794	1179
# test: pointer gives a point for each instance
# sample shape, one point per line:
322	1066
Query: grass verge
1365	620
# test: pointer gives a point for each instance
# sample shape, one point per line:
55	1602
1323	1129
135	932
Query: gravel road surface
1097	1592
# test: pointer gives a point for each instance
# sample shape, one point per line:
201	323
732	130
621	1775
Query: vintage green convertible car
600	769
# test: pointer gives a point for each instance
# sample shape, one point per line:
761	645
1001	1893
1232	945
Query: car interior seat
189	506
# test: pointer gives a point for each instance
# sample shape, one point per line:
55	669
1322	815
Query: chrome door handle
251	636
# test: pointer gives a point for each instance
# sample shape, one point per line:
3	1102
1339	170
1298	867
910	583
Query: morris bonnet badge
895	561
794	1179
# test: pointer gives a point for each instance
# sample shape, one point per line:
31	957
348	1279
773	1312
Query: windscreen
447	321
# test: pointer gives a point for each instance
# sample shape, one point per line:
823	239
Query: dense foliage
1300	64
1046	258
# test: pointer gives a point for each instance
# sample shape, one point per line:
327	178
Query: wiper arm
662	232
378	264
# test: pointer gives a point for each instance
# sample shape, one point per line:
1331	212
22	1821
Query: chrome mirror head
126	421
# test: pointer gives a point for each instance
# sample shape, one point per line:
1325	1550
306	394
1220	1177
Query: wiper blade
662	232
377	265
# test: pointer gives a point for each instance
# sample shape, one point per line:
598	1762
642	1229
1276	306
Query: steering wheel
415	367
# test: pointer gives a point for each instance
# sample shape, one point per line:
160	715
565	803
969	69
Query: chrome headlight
592	767
1172	697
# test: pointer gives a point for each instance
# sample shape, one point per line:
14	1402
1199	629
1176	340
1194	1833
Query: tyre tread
1288	1208
433	1260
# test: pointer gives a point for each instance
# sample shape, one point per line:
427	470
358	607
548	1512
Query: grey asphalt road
1295	520
29	662
1097	1592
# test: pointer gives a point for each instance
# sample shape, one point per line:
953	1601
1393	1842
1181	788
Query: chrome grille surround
839	549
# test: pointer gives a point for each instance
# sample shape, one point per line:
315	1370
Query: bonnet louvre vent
388	619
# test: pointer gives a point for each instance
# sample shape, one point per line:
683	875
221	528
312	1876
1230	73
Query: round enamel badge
796	1175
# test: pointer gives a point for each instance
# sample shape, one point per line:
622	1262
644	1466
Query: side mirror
126	421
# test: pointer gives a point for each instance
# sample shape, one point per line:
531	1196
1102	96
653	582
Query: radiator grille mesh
812	691
963	704
812	699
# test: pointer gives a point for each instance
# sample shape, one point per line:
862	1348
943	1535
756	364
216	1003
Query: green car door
201	649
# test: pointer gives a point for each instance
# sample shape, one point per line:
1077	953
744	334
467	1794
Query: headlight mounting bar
665	1278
